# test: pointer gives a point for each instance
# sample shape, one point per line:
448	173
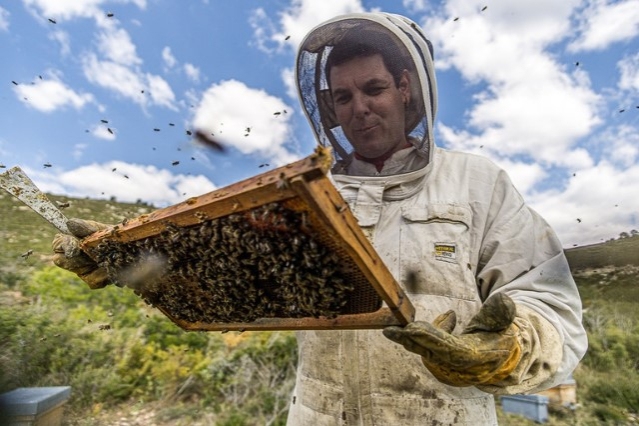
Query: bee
62	205
282	182
208	141
27	254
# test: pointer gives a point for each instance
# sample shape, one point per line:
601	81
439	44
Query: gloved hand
68	255
486	352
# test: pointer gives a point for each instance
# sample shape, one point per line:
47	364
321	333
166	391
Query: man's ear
404	86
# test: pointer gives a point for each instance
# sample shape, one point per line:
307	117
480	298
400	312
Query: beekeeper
497	310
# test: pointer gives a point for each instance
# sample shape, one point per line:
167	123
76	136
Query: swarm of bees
262	263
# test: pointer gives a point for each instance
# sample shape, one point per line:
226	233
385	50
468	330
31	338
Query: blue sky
536	86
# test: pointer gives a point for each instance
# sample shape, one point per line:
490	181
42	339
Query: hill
619	252
22	229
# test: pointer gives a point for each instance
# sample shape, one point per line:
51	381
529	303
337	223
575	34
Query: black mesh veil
400	39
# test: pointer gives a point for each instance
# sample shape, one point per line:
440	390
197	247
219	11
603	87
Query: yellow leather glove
486	352
68	255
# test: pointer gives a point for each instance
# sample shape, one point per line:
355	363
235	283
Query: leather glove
68	255
486	352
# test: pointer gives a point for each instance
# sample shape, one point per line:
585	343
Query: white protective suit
457	221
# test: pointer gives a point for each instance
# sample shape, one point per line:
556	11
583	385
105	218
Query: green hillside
22	229
619	252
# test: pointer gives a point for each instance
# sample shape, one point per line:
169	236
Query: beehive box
278	251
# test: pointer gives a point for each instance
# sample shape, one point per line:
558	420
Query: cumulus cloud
116	46
4	19
116	65
51	94
129	82
70	9
102	132
246	119
128	183
113	76
603	198
629	73
62	37
119	69
192	72
168	58
603	22
296	21
531	105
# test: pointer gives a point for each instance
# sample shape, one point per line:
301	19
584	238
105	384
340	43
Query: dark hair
362	44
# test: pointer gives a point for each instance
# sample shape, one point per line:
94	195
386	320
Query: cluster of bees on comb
263	263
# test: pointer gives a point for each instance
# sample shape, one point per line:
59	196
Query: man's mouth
366	129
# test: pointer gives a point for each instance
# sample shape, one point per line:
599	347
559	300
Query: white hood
412	49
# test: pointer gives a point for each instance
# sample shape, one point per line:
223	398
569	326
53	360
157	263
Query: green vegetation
124	359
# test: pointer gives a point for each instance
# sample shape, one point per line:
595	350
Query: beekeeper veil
402	46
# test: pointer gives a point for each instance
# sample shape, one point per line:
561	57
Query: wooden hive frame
304	182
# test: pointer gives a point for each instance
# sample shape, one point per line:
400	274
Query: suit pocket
434	250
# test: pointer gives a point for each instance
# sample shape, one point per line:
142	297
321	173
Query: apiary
278	251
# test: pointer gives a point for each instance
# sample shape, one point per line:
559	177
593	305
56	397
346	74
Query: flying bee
208	141
62	205
26	254
282	182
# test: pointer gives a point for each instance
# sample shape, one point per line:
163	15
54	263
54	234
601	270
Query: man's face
369	106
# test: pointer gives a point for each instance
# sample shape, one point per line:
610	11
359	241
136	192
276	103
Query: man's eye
341	99
375	90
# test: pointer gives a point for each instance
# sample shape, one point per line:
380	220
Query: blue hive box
534	407
33	406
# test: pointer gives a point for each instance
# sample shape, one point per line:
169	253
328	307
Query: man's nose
360	105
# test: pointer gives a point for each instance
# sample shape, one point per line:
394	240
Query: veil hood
400	38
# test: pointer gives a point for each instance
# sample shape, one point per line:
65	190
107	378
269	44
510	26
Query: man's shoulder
465	160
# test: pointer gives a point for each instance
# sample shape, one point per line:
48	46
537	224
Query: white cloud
128	82
629	70
50	95
288	78
603	22
117	77
61	37
4	19
102	132
603	198
78	150
620	145
296	21
415	5
192	72
168	58
531	105
227	109
160	91
71	9
159	187
116	46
